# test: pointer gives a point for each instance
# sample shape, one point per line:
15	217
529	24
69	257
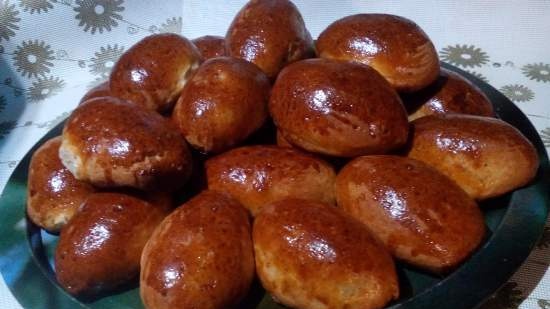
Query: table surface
52	52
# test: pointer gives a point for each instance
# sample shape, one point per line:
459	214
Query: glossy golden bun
258	175
201	256
337	108
222	104
450	94
486	157
282	142
101	90
394	46
210	46
53	194
421	216
111	143
270	34
313	255
153	72
100	248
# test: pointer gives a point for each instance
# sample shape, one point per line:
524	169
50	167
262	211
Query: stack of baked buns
381	156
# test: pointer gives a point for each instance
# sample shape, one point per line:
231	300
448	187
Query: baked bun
210	46
101	90
258	175
312	255
222	104
153	72
451	93
394	46
421	216
281	141
112	143
100	248
270	34
486	157
53	194
201	256
324	106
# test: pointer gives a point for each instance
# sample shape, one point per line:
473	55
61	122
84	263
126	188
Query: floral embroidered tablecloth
53	51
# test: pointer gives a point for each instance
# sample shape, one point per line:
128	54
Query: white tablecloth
52	51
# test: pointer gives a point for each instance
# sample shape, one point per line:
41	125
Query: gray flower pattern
517	93
52	123
98	15
478	75
467	56
545	135
8	20
537	71
44	88
33	58
543	304
105	59
6	127
36	5
508	297
172	25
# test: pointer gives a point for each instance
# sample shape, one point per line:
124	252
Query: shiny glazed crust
258	175
421	216
270	34
53	194
394	46
313	255
111	143
323	106
201	256
486	157
210	46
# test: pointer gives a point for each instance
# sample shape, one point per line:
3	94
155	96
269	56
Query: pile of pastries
380	156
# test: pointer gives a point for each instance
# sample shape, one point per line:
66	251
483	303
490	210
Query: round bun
313	255
486	157
153	72
210	46
112	143
53	194
101	90
451	93
324	106
258	175
270	34
394	46
222	104
281	141
200	257
100	248
421	216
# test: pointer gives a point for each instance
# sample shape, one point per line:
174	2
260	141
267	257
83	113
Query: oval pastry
53	194
324	106
486	157
201	256
210	46
270	34
112	143
394	46
100	248
420	215
313	255
258	175
222	104
153	72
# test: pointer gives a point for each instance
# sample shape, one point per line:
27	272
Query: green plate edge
33	284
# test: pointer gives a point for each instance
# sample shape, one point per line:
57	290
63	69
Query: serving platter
515	222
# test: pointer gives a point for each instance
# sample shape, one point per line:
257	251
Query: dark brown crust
451	93
201	256
101	90
121	144
210	46
152	72
100	248
324	106
53	194
222	104
394	46
258	175
312	255
270	34
487	157
420	215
